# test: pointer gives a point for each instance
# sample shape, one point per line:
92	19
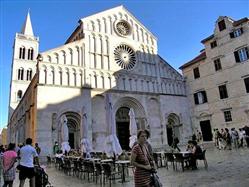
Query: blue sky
179	25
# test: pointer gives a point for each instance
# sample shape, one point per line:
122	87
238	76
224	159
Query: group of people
26	156
226	139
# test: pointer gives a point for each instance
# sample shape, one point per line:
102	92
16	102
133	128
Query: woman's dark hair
11	146
147	133
140	132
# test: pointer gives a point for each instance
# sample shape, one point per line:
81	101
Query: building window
222	25
223	91
213	44
246	80
196	73
19	95
60	75
217	64
30	54
236	33
20	73
22	53
228	116
200	97
29	74
241	54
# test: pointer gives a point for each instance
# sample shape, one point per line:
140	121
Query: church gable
118	22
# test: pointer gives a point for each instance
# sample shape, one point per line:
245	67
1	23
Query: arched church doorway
122	121
173	128
73	123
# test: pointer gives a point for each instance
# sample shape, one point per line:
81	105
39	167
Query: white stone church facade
109	52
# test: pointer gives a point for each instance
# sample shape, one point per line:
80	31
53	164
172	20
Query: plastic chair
203	157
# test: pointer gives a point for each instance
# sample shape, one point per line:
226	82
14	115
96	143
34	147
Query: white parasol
133	128
85	143
112	145
64	134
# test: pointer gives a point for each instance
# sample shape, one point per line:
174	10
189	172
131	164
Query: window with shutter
213	44
223	92
246	80
236	33
241	54
200	97
217	64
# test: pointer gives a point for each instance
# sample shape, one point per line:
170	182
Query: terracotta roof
240	21
196	59
208	38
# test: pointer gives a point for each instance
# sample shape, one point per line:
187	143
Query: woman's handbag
155	180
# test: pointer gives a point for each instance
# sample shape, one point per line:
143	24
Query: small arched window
22	52
20	73
29	75
19	95
60	76
30	54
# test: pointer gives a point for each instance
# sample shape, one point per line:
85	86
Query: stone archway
121	109
173	127
73	123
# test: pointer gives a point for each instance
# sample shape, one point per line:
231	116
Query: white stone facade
99	58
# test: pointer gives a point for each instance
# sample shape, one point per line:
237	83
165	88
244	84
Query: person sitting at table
189	146
175	144
141	160
196	153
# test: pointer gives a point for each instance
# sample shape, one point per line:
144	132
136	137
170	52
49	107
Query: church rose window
125	57
123	28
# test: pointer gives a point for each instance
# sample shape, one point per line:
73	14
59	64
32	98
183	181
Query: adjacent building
112	53
218	78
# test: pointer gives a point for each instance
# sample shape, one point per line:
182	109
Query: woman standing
9	159
142	161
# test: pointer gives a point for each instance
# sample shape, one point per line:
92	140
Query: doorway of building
173	128
206	130
73	124
170	135
71	140
123	133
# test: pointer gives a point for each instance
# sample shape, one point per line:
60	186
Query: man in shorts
28	155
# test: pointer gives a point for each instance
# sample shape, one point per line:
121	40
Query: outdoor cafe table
123	163
106	160
185	153
93	159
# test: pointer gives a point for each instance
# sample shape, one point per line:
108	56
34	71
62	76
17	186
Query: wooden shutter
247	54
236	55
241	29
196	99
204	96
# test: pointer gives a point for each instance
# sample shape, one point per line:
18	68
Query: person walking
56	147
142	161
37	148
9	171
28	156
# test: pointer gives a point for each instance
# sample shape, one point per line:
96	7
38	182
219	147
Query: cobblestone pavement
225	168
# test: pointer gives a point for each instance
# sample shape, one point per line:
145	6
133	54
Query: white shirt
27	154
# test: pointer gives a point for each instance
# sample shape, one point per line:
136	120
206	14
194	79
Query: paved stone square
225	168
